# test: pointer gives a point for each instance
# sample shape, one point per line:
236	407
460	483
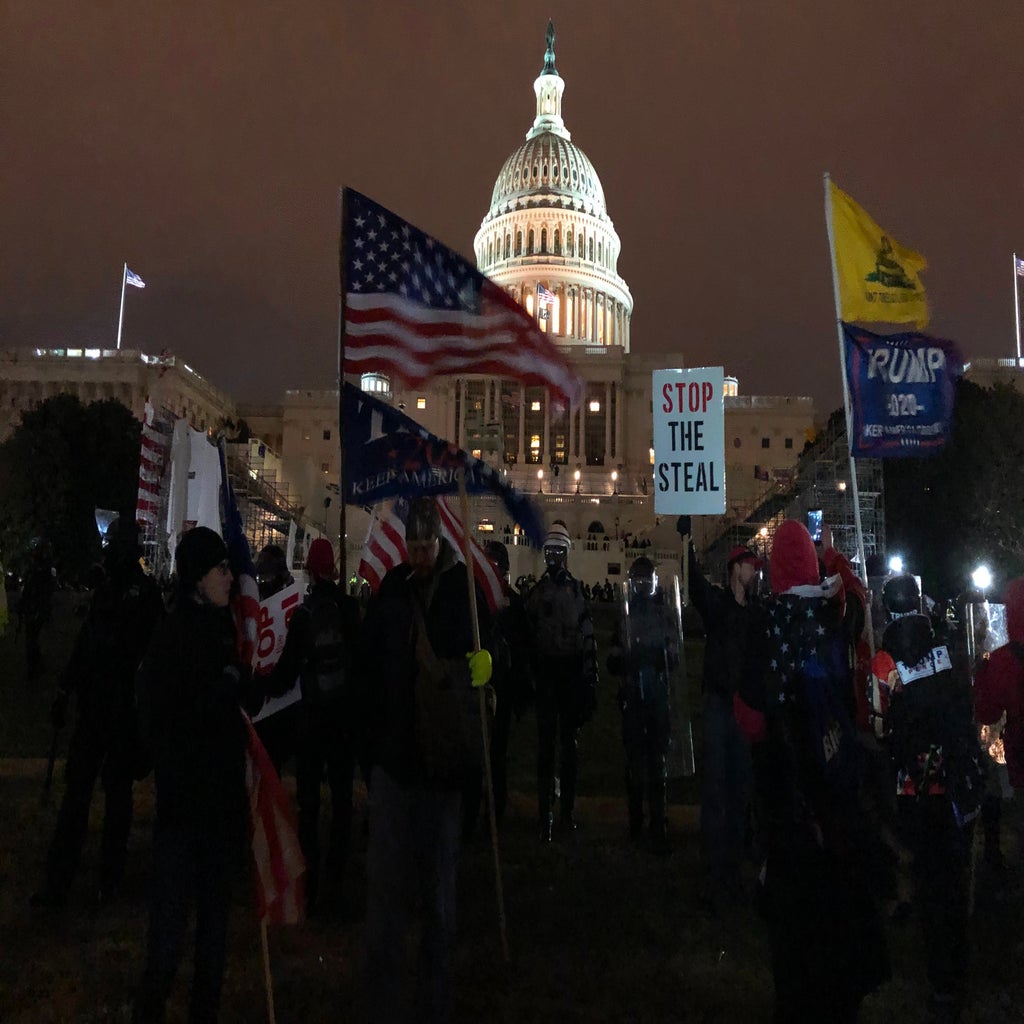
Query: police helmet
643	578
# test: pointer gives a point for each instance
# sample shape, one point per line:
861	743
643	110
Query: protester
564	659
512	681
644	652
277	732
425	731
939	784
734	623
190	685
999	690
827	944
101	673
320	651
35	605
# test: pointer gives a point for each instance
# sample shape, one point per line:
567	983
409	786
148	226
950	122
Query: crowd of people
821	764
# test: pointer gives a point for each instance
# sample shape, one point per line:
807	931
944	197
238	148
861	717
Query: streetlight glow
982	578
896	564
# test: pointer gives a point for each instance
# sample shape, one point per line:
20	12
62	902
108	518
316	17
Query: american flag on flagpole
130	277
544	299
385	548
280	867
417	309
1019	264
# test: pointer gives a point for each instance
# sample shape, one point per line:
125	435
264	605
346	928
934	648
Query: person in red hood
827	942
999	687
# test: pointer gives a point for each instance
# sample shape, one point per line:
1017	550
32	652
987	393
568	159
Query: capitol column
607	422
521	444
618	422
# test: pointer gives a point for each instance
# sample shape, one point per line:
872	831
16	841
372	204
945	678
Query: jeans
725	795
411	857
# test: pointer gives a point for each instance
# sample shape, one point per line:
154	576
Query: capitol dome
547	237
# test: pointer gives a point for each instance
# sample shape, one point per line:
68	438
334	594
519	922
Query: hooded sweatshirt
999	685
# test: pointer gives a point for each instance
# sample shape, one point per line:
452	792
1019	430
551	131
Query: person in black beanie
190	686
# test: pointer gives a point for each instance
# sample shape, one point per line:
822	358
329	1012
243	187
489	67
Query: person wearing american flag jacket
816	886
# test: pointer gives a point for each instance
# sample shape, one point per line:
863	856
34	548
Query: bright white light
895	564
982	577
841	485
615	475
576	475
540	474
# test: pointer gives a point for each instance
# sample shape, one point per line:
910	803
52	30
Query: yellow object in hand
479	667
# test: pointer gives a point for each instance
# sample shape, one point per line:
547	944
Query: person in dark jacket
101	673
564	660
734	622
424	713
827	942
320	650
190	686
940	782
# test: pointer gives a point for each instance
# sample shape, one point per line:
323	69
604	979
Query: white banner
689	441
275	614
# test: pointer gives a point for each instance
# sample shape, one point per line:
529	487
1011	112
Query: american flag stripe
417	309
484	571
280	867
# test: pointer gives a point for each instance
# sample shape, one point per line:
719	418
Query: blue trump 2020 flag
902	389
389	455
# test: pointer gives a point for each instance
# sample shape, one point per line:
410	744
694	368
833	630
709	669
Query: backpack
326	671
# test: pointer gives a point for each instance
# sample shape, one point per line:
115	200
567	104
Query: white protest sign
275	614
689	441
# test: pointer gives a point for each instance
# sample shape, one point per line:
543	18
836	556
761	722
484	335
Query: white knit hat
558	536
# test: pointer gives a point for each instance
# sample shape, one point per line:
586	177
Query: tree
947	513
63	461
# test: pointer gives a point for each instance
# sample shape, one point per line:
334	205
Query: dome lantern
549	87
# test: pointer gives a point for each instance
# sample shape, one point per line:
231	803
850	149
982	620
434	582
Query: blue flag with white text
902	389
389	455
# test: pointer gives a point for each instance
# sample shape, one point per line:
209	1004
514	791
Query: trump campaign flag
385	548
417	309
389	455
902	389
879	279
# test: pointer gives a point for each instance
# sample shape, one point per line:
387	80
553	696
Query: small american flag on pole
130	277
416	309
1019	264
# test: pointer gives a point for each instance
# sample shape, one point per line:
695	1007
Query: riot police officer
646	646
564	655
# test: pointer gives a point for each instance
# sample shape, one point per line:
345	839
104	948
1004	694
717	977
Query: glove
684	526
59	710
479	667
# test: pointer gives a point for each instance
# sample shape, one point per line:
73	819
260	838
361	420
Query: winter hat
558	537
742	554
320	560
199	550
901	596
794	560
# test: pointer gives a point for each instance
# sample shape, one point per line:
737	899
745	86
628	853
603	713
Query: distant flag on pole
385	548
544	299
417	309
130	277
1019	264
879	279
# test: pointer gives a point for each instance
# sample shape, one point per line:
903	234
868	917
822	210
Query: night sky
204	143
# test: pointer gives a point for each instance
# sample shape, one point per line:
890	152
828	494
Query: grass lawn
597	929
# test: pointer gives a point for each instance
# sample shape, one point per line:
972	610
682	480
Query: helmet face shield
555	556
643	579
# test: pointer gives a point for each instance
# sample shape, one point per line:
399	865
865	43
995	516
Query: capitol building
548	238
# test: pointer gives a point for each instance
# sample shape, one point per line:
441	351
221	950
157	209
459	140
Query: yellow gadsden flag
878	278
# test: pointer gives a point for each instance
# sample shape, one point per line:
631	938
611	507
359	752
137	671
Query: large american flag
385	548
416	309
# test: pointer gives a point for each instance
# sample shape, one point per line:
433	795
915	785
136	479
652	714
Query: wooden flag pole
467	553
266	971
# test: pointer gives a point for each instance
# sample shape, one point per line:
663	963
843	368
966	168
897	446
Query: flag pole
846	383
1016	303
467	554
121	315
268	981
342	466
869	628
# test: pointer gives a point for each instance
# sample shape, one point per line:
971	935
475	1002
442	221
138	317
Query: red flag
417	309
385	548
280	867
153	456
